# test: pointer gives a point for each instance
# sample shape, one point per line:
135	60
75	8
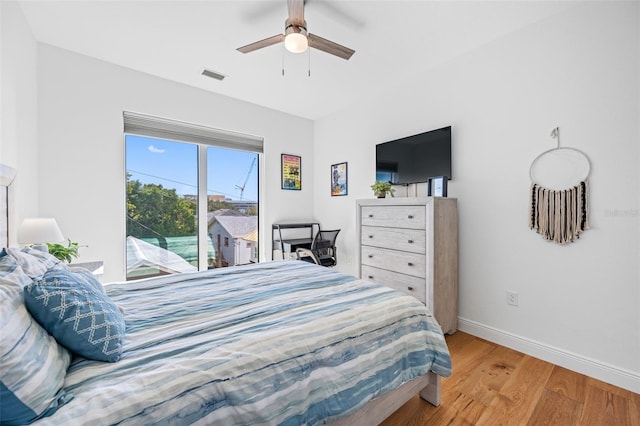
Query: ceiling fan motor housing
294	28
295	36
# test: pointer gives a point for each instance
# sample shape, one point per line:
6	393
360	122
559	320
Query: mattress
283	342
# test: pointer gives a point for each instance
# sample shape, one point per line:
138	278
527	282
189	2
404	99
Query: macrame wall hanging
559	193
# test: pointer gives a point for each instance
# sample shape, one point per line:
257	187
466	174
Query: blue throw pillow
72	307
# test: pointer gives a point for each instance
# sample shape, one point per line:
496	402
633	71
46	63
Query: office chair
323	249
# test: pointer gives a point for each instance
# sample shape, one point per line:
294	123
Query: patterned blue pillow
73	308
32	364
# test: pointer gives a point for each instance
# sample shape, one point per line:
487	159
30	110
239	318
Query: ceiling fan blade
296	12
260	44
328	46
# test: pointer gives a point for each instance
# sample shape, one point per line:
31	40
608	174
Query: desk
287	237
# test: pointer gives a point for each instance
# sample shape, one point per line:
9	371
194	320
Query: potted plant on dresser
381	189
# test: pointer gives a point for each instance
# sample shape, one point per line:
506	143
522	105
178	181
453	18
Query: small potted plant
64	253
381	189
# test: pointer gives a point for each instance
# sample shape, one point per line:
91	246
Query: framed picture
339	179
437	186
291	172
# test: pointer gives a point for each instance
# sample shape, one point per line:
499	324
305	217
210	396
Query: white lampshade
296	42
39	230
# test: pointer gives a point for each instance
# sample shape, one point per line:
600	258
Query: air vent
213	74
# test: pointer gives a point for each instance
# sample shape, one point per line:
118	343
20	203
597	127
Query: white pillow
32	364
34	262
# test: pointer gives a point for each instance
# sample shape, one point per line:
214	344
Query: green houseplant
381	189
64	253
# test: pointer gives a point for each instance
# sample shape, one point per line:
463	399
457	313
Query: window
187	185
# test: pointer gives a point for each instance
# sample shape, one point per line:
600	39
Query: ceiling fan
296	38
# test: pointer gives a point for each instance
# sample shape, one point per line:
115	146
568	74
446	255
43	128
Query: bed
281	342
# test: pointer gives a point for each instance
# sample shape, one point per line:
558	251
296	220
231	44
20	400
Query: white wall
18	112
81	148
578	70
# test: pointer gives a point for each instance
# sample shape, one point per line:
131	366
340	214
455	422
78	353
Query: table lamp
38	231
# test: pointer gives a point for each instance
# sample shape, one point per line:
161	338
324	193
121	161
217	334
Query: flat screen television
415	158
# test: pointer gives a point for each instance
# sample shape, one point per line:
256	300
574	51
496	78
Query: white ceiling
176	40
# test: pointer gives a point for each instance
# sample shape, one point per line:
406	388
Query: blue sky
175	165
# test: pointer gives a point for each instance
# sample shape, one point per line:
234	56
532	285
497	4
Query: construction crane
241	188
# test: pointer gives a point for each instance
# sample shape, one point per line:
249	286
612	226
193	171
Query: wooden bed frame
382	407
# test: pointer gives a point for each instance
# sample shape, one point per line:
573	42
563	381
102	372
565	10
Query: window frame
203	136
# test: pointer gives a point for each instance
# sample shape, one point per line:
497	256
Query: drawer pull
370	277
410	241
410	216
370	215
409	263
410	288
370	256
370	236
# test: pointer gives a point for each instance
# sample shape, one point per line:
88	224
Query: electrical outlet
512	298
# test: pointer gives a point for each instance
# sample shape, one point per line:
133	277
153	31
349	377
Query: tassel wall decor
559	216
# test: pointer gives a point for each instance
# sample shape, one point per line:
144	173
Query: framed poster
291	171
339	179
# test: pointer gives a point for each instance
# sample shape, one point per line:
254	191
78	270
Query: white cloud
156	150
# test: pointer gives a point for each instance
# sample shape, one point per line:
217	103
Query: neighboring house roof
238	226
211	216
142	254
251	236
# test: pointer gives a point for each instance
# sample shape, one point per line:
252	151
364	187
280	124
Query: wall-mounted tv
416	158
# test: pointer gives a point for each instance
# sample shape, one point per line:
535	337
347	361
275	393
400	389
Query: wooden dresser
411	244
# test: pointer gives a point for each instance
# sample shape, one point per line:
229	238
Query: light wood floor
493	385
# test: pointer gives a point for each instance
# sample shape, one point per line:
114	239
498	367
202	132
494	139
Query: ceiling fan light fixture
295	40
296	43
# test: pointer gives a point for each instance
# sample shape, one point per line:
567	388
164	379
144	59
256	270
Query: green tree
154	211
219	205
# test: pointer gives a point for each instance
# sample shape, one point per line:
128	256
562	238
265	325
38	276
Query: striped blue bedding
283	342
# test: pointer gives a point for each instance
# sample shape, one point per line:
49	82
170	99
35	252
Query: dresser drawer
411	240
413	286
393	260
411	217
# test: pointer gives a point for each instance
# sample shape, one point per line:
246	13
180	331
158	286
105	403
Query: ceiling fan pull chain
309	63
282	61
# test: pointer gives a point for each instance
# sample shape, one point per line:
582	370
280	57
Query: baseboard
607	373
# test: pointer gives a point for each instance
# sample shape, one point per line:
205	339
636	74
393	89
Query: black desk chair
323	249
